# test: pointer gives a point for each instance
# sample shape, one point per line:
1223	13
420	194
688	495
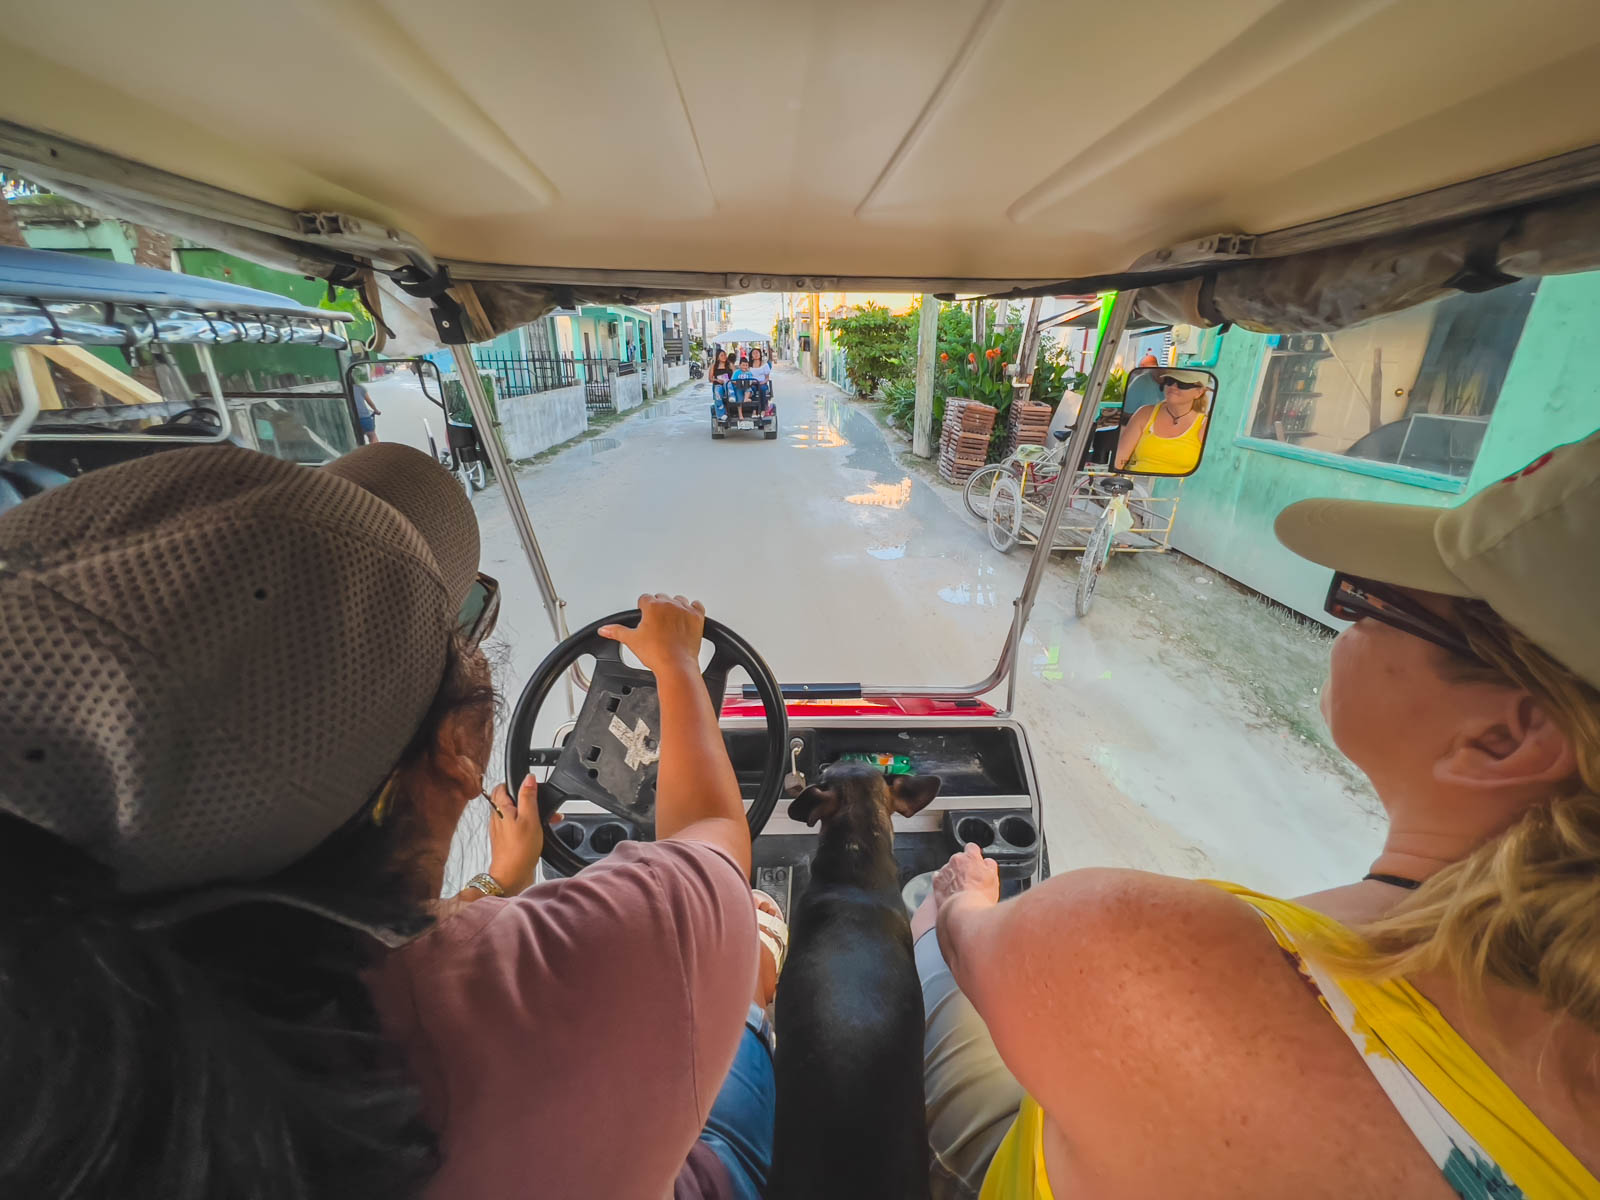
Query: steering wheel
611	754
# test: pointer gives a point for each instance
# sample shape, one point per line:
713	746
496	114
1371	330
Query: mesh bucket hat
214	658
1529	546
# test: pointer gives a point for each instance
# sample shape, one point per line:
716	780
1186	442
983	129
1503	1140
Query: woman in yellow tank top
1165	438
1432	1030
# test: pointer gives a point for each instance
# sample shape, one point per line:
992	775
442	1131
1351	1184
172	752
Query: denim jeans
739	1127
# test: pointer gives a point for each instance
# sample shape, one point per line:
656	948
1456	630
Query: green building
1425	406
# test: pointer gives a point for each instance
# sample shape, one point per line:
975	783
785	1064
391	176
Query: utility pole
1028	357
816	335
927	346
1002	315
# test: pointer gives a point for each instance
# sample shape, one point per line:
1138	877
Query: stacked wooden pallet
964	443
1027	425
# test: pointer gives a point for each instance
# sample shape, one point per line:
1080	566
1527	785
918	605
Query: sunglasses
1351	599
1168	381
479	610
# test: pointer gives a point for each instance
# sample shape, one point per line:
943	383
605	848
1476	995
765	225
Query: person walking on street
367	413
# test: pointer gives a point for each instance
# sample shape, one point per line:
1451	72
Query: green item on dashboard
889	764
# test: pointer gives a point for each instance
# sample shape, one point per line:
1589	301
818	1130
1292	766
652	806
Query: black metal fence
516	375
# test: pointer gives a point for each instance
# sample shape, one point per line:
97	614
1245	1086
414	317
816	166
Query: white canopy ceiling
892	138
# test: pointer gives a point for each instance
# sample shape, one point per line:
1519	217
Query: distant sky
755	310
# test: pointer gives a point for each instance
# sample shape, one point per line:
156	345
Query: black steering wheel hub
611	756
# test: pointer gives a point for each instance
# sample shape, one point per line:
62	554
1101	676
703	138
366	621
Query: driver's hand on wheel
516	837
668	635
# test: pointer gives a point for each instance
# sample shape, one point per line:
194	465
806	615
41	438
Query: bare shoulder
1161	970
1141	1001
1152	926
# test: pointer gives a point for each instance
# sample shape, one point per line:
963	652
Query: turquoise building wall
1225	517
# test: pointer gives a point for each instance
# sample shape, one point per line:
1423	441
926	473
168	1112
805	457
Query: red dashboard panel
907	706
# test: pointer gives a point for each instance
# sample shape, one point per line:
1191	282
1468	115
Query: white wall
627	391
531	424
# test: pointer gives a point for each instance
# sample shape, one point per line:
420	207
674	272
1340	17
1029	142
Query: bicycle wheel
1005	514
979	492
1093	561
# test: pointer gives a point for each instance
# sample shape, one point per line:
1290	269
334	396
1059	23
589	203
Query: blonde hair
1524	908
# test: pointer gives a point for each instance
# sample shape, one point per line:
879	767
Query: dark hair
233	1054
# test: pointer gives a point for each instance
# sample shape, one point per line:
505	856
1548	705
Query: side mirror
1166	418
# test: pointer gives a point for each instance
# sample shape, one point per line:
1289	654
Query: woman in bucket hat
1431	1030
242	709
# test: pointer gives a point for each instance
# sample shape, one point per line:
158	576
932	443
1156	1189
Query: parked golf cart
82	332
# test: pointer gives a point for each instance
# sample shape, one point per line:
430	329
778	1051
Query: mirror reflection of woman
1165	438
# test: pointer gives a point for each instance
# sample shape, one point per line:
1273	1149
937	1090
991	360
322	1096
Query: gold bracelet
486	884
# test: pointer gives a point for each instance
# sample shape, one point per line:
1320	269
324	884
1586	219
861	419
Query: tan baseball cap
1529	546
214	658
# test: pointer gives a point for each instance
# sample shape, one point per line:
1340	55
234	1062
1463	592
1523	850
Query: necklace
1399	881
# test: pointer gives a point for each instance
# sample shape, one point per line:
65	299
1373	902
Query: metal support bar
1077	447
48	158
478	400
31	401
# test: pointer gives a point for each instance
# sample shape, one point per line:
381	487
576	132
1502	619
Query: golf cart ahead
741	391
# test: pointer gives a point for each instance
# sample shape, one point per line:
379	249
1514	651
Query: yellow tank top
1017	1169
1484	1139
1167	456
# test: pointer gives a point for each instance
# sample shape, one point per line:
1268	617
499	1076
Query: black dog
850	1117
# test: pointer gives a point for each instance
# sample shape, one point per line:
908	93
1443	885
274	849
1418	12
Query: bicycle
462	457
1102	514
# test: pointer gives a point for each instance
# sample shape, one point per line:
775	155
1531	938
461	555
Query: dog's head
862	790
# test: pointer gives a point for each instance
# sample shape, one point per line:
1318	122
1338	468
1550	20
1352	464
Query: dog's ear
910	794
817	803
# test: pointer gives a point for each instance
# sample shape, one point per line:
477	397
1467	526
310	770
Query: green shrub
878	346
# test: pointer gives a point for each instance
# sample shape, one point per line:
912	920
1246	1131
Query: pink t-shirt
570	1041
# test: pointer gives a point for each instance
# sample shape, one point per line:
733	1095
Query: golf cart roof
741	335
50	275
557	153
48	297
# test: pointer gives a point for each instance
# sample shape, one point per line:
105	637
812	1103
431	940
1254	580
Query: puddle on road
976	595
884	495
595	447
886	553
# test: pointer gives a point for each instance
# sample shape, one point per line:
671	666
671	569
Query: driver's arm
697	793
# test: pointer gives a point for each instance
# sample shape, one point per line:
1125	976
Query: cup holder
975	830
1019	831
604	838
1010	839
570	833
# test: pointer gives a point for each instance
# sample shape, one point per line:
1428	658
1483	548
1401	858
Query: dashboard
988	795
